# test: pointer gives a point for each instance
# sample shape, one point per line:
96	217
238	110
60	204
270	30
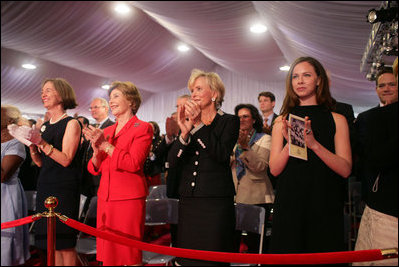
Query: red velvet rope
19	222
309	258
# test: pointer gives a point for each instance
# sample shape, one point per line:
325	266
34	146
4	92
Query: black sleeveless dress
61	182
308	209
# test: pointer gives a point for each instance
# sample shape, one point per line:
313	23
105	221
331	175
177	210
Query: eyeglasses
95	107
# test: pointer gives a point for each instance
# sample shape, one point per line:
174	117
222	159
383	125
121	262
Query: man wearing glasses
99	109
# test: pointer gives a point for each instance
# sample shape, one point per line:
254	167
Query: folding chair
160	212
86	245
82	203
157	192
250	218
31	203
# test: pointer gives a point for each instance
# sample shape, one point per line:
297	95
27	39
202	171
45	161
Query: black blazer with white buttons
204	161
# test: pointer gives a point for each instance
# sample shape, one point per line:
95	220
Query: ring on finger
308	131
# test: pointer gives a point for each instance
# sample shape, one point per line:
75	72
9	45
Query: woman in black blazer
202	154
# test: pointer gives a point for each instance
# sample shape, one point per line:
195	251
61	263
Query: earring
213	99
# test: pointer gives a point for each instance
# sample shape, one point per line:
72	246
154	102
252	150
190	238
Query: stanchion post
50	203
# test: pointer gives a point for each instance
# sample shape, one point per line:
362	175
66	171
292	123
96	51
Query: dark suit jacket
205	162
92	182
377	151
173	177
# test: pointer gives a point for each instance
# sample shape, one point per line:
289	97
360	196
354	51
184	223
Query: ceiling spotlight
258	28
285	68
183	48
29	66
105	86
382	15
122	8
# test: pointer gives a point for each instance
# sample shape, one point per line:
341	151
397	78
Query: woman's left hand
308	134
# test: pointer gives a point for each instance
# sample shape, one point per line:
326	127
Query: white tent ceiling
89	45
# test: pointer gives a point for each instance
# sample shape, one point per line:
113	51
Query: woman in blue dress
15	240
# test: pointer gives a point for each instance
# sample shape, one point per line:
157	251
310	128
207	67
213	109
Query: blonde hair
13	113
130	91
213	80
65	90
395	69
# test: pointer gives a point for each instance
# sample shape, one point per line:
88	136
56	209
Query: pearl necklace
60	118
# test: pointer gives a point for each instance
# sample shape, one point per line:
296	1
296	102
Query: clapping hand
25	134
308	133
171	127
96	137
243	138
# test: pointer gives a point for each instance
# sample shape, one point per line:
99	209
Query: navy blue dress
60	182
308	209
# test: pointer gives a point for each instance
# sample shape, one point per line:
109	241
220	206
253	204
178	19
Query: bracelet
107	148
51	151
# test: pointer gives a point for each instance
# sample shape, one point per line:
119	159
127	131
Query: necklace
60	118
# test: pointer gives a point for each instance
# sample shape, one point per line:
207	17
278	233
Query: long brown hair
323	96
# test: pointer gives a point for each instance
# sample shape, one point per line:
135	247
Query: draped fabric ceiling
88	44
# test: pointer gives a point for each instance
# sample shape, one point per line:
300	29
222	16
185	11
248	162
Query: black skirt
206	224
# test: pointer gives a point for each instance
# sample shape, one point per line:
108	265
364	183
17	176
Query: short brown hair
267	94
130	91
65	90
383	71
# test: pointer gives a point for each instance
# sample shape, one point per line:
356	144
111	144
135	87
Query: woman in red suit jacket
119	153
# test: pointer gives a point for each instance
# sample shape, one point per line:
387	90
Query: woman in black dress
308	209
54	149
202	155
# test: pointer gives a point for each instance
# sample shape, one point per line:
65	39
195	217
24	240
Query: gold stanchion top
50	203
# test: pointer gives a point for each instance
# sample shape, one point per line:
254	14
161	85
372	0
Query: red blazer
122	175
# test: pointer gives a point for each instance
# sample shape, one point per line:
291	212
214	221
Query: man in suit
99	109
172	174
267	101
377	151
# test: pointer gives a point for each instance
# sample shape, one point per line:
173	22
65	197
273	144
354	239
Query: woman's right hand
285	127
185	124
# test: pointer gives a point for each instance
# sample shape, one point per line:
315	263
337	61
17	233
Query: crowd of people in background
209	160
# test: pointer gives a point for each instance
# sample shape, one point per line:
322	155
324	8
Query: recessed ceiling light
258	28
122	8
105	86
183	48
29	66
285	68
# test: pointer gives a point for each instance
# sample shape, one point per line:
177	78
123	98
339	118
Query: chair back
92	210
157	192
251	218
161	211
82	203
31	201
